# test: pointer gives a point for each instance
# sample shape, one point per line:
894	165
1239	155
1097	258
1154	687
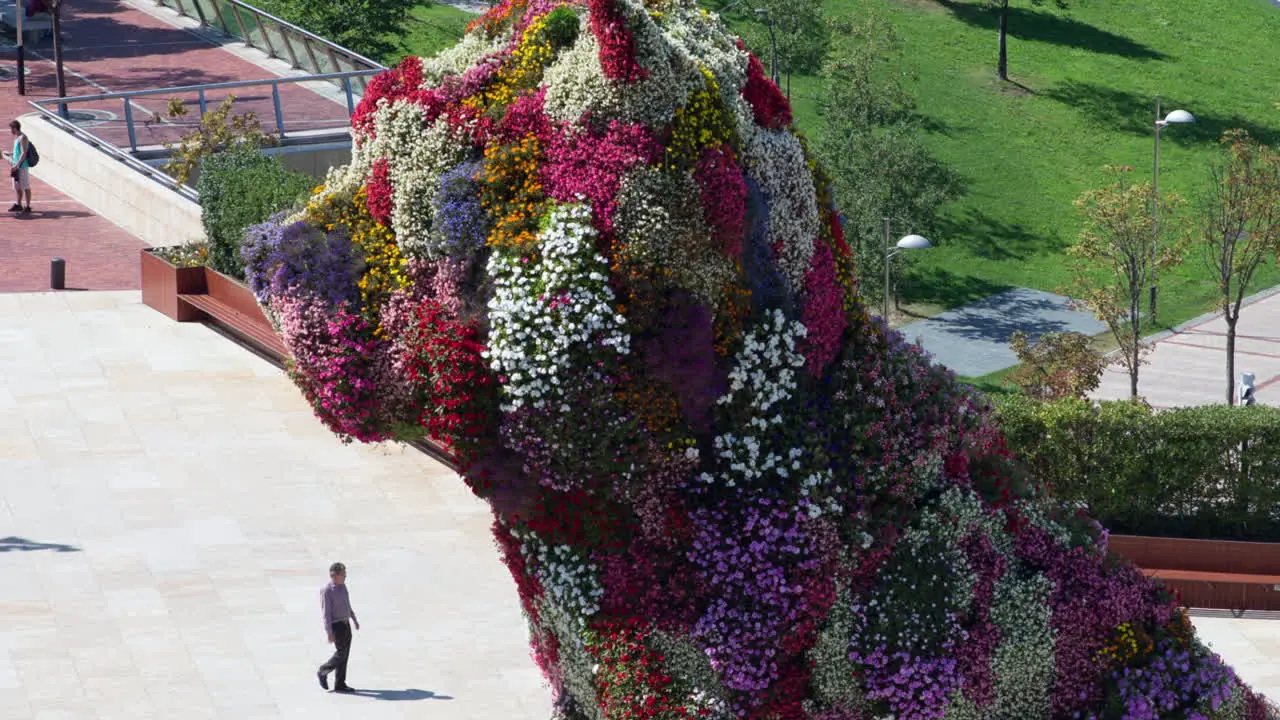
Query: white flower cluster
577	666
551	318
576	83
418	153
1037	513
813	487
956	514
834	674
763	378
456	59
570	580
659	219
775	159
1023	667
702	36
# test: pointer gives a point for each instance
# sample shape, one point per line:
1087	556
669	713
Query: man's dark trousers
342	641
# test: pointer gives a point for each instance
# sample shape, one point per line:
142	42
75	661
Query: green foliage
872	145
218	130
1057	366
239	188
368	27
562	27
1201	472
801	32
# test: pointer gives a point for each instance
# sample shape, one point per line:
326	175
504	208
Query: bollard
58	274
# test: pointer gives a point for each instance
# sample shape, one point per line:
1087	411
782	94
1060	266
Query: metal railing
277	38
57	111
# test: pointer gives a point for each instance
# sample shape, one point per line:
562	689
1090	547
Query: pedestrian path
169	507
114	46
1188	366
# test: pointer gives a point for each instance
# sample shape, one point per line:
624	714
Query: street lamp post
773	61
910	242
1176	117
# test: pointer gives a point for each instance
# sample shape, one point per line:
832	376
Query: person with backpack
21	160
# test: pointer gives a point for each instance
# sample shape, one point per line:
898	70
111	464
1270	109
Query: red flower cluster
823	313
724	197
450	378
579	518
768	104
617	44
592	163
401	81
380	191
632	682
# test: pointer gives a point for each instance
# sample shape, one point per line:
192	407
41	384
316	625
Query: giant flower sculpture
588	252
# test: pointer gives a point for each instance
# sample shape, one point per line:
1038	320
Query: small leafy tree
1118	254
217	131
1002	7
1238	226
1057	366
802	32
871	143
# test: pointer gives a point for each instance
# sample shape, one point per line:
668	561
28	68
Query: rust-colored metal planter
1217	574
163	282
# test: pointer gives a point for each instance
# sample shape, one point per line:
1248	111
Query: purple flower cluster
915	688
759	562
461	220
295	258
682	354
1176	682
768	288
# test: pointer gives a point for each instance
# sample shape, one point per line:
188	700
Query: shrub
239	188
1057	366
1203	472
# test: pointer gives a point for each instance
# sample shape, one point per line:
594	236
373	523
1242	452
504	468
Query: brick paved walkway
111	46
1188	366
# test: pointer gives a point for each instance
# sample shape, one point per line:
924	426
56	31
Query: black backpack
33	155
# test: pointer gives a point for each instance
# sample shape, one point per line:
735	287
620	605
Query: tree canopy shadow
993	238
1027	24
940	286
1134	114
17	544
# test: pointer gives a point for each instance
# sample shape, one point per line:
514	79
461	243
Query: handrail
260	18
127	97
118	153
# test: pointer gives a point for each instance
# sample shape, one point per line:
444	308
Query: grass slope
432	27
1084	83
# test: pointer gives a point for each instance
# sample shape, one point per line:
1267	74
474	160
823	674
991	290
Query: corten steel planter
163	282
1217	574
236	295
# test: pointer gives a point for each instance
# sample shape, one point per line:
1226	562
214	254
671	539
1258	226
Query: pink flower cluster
823	311
724	197
590	163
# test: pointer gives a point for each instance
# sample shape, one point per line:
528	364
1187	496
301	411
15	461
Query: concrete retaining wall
155	214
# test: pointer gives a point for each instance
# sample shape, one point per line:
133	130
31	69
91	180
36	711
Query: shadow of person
397	695
11	544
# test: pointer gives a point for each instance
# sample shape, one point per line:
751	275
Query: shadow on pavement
409	694
12	544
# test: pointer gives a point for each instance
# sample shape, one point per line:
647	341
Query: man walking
335	604
20	168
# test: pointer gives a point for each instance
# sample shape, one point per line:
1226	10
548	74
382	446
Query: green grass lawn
432	27
1084	83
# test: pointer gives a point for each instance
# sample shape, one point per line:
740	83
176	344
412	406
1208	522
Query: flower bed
587	250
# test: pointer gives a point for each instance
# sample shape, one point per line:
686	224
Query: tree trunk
1231	357
1002	65
1134	357
56	13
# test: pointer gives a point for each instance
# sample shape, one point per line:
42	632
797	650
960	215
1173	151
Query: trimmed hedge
239	188
1201	472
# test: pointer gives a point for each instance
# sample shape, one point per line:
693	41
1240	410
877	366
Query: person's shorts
22	179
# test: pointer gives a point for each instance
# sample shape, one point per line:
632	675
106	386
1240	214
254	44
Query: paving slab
1251	644
169	506
973	340
1188	366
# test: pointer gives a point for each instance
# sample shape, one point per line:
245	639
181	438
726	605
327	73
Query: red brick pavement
112	47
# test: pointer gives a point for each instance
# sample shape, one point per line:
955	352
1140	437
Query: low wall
155	214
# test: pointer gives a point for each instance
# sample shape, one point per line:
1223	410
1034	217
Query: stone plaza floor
169	507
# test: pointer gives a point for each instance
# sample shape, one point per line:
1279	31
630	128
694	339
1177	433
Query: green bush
1202	472
239	188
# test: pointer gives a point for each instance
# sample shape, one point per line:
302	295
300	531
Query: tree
872	145
60	76
1238	225
1002	6
366	26
802	33
1118	254
217	130
1056	367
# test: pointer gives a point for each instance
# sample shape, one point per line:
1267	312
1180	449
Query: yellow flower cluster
700	123
657	408
1126	643
732	314
512	193
384	265
521	71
